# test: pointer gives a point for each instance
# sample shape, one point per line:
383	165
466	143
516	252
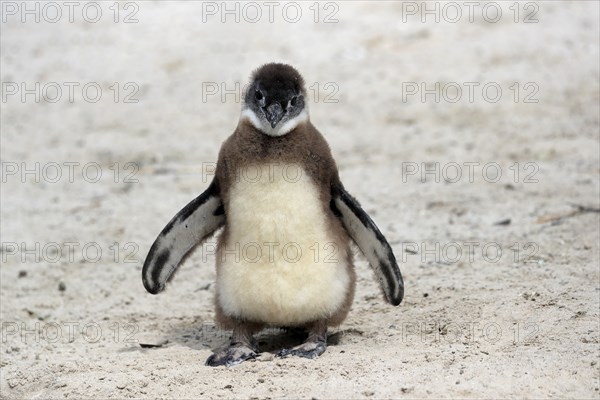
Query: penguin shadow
207	336
272	340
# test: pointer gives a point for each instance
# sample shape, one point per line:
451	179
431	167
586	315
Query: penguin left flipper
371	242
188	228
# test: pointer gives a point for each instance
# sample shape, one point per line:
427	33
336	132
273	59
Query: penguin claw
310	350
231	356
284	353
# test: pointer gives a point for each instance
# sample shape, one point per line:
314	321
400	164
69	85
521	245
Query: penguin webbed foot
235	354
308	349
314	346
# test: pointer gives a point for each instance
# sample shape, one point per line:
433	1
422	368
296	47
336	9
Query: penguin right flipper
371	242
188	228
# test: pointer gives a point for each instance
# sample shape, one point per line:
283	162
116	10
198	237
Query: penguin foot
232	355
307	349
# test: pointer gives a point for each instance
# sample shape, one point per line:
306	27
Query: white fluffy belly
279	265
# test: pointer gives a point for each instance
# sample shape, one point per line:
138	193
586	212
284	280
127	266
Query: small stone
203	287
228	387
121	386
425	294
62	287
261	380
22	273
150	344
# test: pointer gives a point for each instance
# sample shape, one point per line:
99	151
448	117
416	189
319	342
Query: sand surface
522	323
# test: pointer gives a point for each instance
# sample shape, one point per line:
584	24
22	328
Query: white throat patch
279	130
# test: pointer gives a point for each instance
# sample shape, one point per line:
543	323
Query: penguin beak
274	113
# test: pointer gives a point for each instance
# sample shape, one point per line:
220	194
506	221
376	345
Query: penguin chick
283	257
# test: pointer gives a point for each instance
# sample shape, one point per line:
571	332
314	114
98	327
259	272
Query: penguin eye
294	101
258	95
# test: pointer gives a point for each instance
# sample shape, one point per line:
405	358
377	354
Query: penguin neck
259	147
249	116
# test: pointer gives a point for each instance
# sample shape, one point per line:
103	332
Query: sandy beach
469	133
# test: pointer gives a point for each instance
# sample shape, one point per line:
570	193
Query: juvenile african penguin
283	257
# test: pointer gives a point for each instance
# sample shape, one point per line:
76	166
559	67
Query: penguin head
274	102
